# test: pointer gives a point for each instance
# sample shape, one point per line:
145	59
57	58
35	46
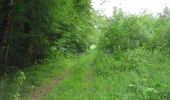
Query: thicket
133	56
127	32
31	30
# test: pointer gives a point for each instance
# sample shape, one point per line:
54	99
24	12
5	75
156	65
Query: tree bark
7	22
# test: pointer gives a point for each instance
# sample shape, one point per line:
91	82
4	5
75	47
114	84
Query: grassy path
94	77
73	86
39	93
99	77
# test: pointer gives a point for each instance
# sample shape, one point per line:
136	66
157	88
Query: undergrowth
137	75
22	83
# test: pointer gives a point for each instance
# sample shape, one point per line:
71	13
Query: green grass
136	75
23	83
145	75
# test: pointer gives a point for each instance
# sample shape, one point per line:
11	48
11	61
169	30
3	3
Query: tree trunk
4	50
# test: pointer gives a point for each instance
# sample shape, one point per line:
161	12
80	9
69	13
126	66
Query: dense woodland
123	57
29	29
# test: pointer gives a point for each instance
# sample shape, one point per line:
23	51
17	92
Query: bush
11	87
125	32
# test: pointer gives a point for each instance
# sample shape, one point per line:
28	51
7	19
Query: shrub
11	87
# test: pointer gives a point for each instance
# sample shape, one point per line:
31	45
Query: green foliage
11	87
102	77
125	32
21	84
36	26
139	74
76	35
131	60
134	31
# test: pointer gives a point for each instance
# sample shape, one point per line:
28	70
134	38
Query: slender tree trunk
6	32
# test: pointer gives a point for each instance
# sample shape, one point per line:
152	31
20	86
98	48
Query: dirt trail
42	91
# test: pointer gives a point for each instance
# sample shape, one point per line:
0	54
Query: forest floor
94	77
43	90
141	75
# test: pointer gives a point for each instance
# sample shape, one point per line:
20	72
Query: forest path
78	83
42	91
77	72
